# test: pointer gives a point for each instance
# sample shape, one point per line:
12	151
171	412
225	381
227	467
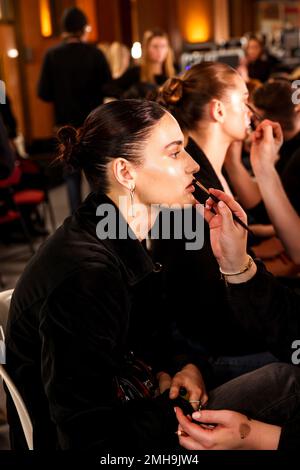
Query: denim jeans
270	394
226	368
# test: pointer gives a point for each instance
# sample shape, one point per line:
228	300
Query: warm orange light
197	29
195	20
45	18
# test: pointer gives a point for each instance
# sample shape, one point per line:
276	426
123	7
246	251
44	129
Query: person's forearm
263	436
245	188
281	212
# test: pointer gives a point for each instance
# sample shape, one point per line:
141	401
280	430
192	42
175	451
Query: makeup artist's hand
266	142
234	431
228	239
190	378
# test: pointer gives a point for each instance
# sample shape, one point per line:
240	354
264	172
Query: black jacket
75	313
72	78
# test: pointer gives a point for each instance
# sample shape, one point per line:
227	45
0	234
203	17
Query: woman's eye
174	155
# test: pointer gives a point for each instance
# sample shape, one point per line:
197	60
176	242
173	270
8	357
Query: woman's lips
190	188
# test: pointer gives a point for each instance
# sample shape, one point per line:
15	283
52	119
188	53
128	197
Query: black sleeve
7	157
291	180
268	310
118	86
102	69
81	330
45	84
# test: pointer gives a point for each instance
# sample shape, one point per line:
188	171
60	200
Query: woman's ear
217	111
124	173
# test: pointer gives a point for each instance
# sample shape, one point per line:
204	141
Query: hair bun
68	146
171	91
67	135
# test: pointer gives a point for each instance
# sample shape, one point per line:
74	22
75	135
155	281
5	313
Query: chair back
13	179
5	298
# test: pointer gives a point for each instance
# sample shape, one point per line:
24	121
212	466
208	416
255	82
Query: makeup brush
216	200
256	115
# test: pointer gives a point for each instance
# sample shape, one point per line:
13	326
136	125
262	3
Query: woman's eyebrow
176	142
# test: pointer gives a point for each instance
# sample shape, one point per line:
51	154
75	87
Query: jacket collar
133	258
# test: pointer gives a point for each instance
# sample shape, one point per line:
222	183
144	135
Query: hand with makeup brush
228	239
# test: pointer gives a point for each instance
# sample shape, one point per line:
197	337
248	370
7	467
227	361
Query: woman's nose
192	166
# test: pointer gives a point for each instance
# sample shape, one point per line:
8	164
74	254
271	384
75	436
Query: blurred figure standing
72	77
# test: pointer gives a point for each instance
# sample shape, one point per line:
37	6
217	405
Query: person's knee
285	373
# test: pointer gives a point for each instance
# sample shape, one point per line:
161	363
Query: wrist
234	266
263	436
265	169
243	274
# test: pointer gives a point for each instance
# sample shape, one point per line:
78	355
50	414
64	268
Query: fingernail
221	204
175	410
196	415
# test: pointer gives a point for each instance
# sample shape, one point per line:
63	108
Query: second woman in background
155	68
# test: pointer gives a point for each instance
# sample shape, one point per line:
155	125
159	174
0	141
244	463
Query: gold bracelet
246	268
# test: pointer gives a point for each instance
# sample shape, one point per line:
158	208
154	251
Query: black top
288	169
262	68
79	307
288	148
193	279
291	180
72	77
129	85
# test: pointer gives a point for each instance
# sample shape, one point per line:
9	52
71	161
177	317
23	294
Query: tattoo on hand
244	430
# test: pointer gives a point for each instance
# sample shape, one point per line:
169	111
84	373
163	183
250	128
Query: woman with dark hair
83	303
82	316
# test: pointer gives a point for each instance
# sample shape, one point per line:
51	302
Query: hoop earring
131	209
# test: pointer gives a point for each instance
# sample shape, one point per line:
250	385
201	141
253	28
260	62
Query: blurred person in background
257	63
156	66
72	77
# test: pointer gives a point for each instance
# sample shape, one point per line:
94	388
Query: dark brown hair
186	97
275	100
115	129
